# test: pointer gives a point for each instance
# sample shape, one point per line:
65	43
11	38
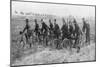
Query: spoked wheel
21	41
67	43
56	44
82	40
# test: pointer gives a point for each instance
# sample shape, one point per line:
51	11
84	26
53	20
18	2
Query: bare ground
48	55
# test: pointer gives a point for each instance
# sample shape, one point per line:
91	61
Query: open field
39	54
46	55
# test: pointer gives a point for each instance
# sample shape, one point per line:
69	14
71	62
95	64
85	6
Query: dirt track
44	56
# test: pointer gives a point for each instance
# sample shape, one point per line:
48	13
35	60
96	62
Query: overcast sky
54	9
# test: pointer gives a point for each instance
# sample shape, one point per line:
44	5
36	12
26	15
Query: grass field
41	55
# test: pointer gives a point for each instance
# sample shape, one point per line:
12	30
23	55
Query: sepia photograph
43	33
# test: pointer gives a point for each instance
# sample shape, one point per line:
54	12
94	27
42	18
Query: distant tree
28	13
16	12
22	13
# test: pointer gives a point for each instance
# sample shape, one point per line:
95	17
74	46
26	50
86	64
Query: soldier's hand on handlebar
20	32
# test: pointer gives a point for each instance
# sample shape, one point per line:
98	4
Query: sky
54	9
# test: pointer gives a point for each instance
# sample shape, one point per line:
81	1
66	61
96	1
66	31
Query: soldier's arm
35	29
24	29
62	28
21	32
83	29
36	26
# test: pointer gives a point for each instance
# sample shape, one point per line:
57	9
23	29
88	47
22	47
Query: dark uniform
56	30
71	30
51	27
44	31
27	31
36	30
64	30
44	28
77	32
86	29
88	33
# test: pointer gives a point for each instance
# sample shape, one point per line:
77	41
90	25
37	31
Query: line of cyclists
69	30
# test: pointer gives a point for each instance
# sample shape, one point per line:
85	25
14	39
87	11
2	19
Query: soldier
71	29
27	31
57	33
56	30
44	31
36	30
51	27
64	30
86	30
36	27
44	28
77	32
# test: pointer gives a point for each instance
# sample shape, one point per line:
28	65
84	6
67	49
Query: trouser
87	38
27	35
56	36
76	40
38	35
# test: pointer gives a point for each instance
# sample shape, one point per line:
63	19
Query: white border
5	33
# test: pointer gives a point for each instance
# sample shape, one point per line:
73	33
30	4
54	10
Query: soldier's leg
46	41
57	44
62	37
26	40
37	36
76	39
87	38
28	35
30	38
21	39
57	36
